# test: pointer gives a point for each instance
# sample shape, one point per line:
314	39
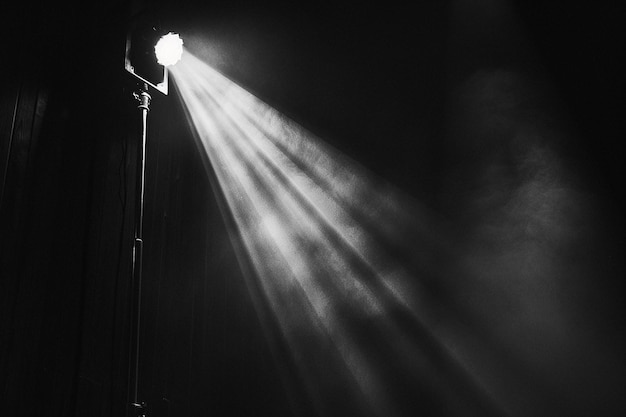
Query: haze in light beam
335	253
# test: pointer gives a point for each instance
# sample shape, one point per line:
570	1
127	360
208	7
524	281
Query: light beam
335	252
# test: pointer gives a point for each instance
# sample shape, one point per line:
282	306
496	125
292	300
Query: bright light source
169	49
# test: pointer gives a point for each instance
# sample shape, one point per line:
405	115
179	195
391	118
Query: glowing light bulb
169	49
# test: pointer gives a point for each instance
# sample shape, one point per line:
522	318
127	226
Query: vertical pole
138	408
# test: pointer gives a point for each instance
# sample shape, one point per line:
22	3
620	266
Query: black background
378	82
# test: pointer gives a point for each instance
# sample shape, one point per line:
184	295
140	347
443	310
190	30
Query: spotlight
146	60
169	49
149	52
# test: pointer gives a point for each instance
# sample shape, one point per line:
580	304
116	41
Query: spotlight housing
148	52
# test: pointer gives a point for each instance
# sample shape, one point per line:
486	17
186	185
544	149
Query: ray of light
335	252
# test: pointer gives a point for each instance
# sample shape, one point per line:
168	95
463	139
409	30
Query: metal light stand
139	409
141	62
